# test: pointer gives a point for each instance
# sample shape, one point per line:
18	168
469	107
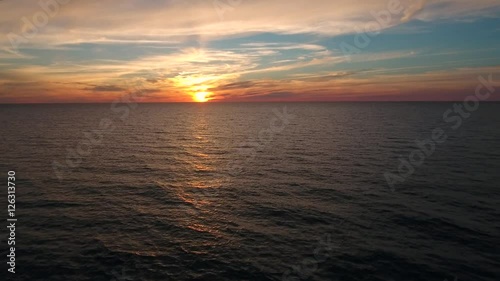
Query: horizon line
229	102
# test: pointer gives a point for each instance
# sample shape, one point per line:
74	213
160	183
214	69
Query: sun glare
196	86
201	96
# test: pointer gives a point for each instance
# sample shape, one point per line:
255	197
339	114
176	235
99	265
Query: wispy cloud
105	88
413	9
165	22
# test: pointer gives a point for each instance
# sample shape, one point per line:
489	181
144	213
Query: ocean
253	191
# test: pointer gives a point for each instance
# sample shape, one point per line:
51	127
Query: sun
201	96
196	86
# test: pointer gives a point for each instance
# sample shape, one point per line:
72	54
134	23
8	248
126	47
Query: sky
72	51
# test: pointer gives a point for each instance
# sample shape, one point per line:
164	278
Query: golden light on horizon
196	86
201	96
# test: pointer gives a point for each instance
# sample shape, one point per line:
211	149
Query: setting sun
201	96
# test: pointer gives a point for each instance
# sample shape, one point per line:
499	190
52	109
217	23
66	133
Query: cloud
172	22
455	9
235	85
105	88
413	10
381	56
324	78
272	96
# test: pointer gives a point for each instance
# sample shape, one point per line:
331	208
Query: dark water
189	192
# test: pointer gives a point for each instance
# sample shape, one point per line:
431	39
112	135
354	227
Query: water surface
172	194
